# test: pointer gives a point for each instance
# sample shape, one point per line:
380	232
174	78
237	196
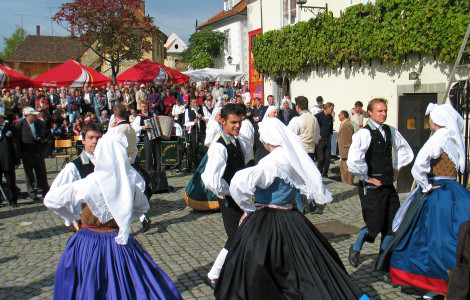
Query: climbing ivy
386	31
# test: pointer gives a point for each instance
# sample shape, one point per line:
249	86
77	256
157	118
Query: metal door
414	126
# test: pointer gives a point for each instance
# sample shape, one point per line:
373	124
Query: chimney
142	7
72	32
38	30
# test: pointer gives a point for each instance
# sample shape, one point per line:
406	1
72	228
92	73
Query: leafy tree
13	42
114	29
204	48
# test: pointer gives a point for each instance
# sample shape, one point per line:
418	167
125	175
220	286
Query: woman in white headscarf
213	126
277	253
272	112
425	239
101	260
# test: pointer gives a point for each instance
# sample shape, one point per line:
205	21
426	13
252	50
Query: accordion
160	126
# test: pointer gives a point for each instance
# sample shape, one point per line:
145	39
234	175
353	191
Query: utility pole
195	29
22	28
50	10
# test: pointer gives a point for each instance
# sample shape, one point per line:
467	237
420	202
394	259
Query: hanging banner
256	79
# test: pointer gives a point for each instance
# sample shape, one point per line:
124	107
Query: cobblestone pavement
183	242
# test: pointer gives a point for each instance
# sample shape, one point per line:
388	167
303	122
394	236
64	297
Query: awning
148	71
71	74
210	74
10	78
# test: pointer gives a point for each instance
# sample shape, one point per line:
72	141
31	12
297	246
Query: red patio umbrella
10	78
148	71
71	74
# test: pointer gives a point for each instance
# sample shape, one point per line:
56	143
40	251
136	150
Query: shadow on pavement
23	209
163	225
7	259
189	280
44	233
365	271
31	289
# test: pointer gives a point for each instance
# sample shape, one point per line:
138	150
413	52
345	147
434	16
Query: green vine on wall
386	31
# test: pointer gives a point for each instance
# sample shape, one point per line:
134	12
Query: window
355	2
289	12
228	5
227	41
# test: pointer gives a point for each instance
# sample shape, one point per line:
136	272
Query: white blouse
246	138
360	144
439	142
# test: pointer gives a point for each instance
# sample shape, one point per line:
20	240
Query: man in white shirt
83	165
357	115
224	159
141	95
370	159
319	107
217	92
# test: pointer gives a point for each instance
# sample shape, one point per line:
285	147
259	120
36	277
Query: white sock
142	217
217	267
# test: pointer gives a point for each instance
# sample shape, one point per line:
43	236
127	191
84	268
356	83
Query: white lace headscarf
269	110
286	100
447	117
292	163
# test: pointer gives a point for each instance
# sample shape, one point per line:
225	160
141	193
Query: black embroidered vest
379	155
235	160
84	166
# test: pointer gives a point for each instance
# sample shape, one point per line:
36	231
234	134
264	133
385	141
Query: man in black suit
33	137
193	117
9	157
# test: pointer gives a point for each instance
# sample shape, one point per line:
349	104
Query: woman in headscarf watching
287	112
425	239
213	126
277	253
102	260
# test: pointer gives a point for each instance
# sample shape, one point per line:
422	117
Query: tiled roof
50	49
225	14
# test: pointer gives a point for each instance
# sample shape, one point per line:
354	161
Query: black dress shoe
14	204
146	224
319	210
312	207
353	257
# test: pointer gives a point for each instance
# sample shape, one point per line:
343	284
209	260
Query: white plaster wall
238	36
345	86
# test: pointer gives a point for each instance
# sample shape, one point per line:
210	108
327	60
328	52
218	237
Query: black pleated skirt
279	254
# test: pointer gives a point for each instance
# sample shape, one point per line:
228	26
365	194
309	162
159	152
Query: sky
177	16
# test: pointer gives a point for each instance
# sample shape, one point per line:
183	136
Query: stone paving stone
183	242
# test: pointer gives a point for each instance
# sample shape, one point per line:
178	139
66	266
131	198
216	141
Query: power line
172	27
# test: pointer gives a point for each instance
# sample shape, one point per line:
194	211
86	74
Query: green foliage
203	49
386	31
13	42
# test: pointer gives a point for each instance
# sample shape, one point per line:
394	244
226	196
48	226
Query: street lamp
229	60
312	9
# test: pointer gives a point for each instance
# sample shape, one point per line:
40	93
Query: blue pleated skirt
94	266
428	249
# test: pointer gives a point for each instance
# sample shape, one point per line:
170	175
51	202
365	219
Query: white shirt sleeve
186	116
356	162
216	163
244	183
136	125
403	153
68	175
246	139
422	165
207	114
61	199
295	124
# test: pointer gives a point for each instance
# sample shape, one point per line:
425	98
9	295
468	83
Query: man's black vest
192	116
84	168
235	160
379	155
142	123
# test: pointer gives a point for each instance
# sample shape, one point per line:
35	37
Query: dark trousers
34	165
323	151
379	206
196	137
152	154
231	215
10	176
